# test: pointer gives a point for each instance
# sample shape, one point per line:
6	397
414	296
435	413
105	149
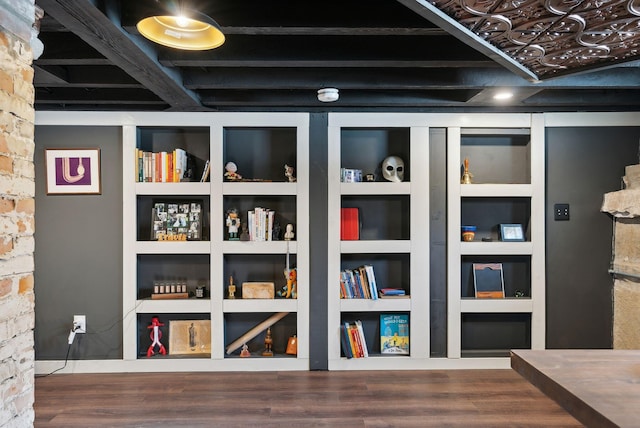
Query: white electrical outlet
80	323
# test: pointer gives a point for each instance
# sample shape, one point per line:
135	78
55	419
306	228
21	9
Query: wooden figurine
231	289
268	343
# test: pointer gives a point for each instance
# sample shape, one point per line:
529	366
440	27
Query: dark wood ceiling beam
96	95
287	78
333	31
84	19
56	76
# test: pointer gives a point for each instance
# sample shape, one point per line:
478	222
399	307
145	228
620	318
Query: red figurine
155	335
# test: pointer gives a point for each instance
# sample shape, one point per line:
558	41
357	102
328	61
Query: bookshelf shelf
259	305
259	247
375	246
380	305
159	189
185	306
250	188
260	145
376	188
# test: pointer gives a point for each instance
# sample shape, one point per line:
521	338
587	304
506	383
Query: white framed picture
73	171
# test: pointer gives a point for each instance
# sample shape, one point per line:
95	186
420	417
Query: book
394	334
205	171
488	281
392	292
346	344
349	224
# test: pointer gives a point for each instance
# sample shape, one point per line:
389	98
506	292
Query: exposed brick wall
17	205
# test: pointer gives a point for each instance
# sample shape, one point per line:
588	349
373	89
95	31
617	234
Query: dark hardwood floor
464	398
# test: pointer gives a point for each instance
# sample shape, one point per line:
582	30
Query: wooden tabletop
599	387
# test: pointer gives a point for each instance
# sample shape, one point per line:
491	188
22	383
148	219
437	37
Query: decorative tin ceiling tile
553	37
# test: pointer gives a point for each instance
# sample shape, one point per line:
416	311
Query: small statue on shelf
231	172
231	288
245	351
268	343
288	172
288	234
289	291
155	335
233	224
466	175
276	231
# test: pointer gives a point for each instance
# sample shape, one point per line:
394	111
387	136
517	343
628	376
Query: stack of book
260	224
358	283
161	167
354	344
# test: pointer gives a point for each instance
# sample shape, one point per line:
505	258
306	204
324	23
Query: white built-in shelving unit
506	158
260	144
394	238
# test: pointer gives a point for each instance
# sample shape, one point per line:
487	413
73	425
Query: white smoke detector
328	95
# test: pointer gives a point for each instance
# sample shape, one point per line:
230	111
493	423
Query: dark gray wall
78	251
438	240
318	235
582	165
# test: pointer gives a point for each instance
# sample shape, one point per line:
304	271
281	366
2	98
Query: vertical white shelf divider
216	230
453	243
538	267
129	237
420	243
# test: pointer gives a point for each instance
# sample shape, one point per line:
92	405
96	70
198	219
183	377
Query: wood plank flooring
451	398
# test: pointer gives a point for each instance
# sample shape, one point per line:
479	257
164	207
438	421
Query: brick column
17	191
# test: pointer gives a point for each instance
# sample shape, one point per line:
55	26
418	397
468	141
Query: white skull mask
393	169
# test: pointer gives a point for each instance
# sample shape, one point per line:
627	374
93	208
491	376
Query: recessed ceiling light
503	95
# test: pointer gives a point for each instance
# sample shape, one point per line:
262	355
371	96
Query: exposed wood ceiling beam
91	25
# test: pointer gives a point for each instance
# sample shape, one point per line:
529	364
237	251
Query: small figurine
466	175
231	172
268	342
290	290
231	289
288	234
288	172
245	351
155	335
276	231
233	224
244	235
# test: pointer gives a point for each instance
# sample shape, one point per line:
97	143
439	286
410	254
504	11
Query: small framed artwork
511	232
190	337
488	281
73	171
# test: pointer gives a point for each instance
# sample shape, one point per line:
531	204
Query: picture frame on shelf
190	337
176	220
488	281
73	171
511	232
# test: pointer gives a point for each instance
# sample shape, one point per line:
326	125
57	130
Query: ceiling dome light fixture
328	95
188	30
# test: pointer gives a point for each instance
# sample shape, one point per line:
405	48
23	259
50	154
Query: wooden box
258	290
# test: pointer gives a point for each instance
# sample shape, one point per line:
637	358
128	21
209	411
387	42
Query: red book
349	224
